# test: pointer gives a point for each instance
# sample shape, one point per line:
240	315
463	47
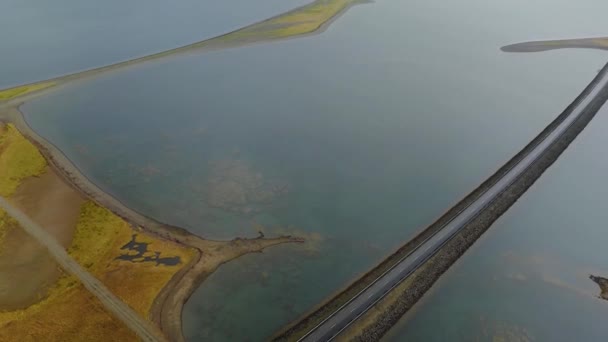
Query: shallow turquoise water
378	125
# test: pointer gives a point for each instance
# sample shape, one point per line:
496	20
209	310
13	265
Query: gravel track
144	329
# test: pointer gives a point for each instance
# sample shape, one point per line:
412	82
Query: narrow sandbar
600	43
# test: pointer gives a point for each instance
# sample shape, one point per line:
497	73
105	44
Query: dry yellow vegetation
303	20
70	312
10	93
19	159
300	21
100	235
310	18
6	223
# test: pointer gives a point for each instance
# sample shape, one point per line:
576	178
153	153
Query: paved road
144	329
358	305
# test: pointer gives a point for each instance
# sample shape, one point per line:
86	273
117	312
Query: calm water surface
43	39
529	275
378	125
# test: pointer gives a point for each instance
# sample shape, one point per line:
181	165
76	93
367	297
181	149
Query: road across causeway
143	328
358	305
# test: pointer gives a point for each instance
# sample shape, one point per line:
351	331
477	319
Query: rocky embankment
393	307
603	284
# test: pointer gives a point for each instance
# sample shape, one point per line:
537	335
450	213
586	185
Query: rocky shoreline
457	246
437	265
267	30
603	284
167	309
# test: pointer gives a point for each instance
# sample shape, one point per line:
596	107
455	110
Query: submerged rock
234	186
603	284
496	331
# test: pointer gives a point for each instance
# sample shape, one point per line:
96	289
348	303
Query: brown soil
75	316
26	268
167	309
51	203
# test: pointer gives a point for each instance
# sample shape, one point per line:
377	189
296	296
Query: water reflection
531	269
143	255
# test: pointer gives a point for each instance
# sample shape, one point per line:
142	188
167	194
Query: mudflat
26	268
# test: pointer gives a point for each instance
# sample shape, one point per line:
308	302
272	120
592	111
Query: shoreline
599	43
167	309
432	270
77	179
303	324
220	42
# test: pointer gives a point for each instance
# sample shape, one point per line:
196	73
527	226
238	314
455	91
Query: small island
152	266
600	43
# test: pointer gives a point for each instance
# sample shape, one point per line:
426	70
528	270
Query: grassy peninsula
152	267
68	312
11	93
304	20
600	43
19	159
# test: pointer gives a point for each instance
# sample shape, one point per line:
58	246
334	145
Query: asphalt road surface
358	305
144	329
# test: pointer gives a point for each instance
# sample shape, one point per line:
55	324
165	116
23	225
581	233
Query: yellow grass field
10	93
19	159
69	312
298	22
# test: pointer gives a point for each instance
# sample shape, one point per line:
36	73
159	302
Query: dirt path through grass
144	329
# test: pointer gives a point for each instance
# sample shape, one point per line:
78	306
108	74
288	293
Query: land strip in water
600	43
206	256
162	306
139	325
32	285
420	283
306	20
373	324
